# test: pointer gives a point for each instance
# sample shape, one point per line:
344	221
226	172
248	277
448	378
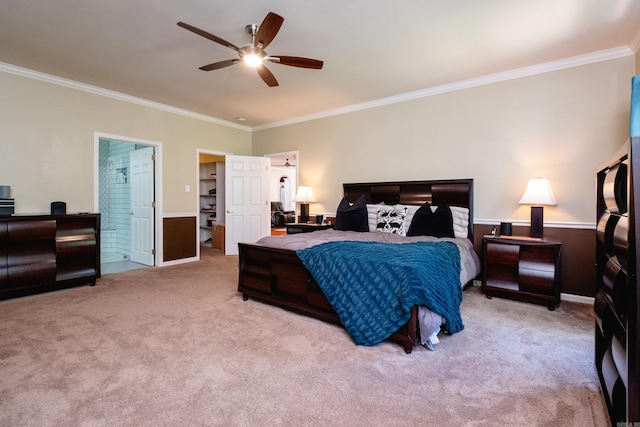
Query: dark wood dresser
617	328
40	253
522	268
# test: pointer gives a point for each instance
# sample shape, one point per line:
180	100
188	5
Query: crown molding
72	84
575	61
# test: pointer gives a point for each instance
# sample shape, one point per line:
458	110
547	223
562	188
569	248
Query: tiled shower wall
114	195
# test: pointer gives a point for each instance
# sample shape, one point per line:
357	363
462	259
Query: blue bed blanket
372	286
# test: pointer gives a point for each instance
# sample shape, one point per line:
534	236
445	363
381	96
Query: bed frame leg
408	345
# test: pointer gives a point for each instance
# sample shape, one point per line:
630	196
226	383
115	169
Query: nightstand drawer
502	265
537	269
536	281
540	258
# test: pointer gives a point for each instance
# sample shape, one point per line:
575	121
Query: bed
272	270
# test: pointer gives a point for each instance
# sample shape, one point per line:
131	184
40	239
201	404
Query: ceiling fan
254	53
275	162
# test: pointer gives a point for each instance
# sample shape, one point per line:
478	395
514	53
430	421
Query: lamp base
304	212
537	213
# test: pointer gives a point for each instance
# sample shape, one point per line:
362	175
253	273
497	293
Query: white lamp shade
304	195
538	192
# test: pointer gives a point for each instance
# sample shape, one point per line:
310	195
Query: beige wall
558	125
47	144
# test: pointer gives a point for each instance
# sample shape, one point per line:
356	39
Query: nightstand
295	228
522	268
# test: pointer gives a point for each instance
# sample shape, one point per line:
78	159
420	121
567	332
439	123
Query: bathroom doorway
116	179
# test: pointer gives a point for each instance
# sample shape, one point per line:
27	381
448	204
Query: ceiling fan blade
267	76
218	65
297	61
209	36
268	29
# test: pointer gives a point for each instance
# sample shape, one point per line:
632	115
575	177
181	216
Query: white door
142	205
247	210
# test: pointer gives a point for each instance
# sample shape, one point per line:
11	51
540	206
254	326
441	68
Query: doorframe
197	189
296	153
157	182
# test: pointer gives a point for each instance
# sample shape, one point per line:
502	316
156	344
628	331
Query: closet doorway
126	184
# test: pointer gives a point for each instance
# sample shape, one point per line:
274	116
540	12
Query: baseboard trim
577	298
178	261
563	297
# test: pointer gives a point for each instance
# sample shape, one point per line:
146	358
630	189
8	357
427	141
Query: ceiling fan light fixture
252	55
252	59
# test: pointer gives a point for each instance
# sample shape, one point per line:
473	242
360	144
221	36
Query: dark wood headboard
455	192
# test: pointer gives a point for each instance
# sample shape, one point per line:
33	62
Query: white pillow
411	210
372	215
460	221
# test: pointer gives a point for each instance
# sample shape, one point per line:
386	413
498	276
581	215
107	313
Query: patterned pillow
392	220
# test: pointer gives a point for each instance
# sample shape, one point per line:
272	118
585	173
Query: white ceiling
372	49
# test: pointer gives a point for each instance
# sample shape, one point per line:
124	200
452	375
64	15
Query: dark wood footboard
278	277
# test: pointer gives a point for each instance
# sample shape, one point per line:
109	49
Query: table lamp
538	193
304	196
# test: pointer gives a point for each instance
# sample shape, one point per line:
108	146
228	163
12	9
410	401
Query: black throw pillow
428	223
352	217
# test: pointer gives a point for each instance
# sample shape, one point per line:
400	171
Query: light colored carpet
177	346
